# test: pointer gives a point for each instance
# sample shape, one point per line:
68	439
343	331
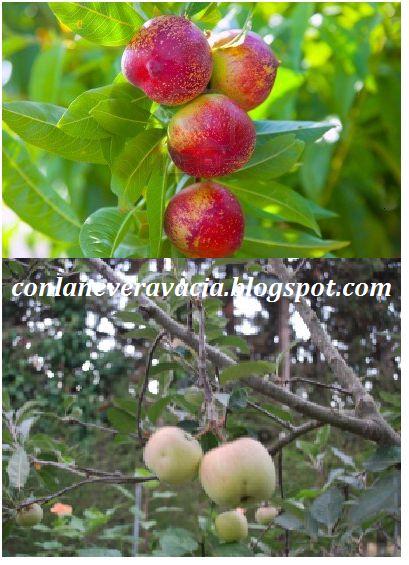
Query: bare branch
375	429
344	374
121	479
296	432
280	421
145	385
90	425
75	469
335	388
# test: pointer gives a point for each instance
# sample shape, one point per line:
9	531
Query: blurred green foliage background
339	61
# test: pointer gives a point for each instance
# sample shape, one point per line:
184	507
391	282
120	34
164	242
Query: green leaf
28	193
165	366
383	458
233	341
18	468
46	74
156	409
238	399
98	552
233	549
305	131
117	108
327	508
383	496
121	420
288	522
271	159
155	203
133	166
103	231
316	167
287	243
246	369
77	121
35	123
275	199
15	43
175	542
104	23
120	117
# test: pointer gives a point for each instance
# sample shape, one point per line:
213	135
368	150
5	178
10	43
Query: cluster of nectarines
218	81
233	475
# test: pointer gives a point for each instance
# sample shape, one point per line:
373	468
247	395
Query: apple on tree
238	472
231	525
173	455
265	514
29	515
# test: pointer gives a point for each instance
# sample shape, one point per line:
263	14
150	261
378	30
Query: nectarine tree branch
113	479
145	384
375	429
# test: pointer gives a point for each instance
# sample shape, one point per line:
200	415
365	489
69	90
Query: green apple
231	525
266	514
29	515
237	473
173	455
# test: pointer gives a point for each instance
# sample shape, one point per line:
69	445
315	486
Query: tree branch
320	338
145	385
377	430
71	468
335	388
89	425
296	432
280	421
121	479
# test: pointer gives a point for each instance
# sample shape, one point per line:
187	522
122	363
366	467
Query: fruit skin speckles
205	220
245	73
169	59
211	137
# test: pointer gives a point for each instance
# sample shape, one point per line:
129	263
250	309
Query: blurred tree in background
340	61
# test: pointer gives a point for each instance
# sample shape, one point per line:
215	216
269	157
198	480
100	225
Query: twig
297	432
77	470
263	533
122	479
319	384
90	425
283	423
145	385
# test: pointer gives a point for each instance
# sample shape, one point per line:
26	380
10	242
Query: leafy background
340	64
75	354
